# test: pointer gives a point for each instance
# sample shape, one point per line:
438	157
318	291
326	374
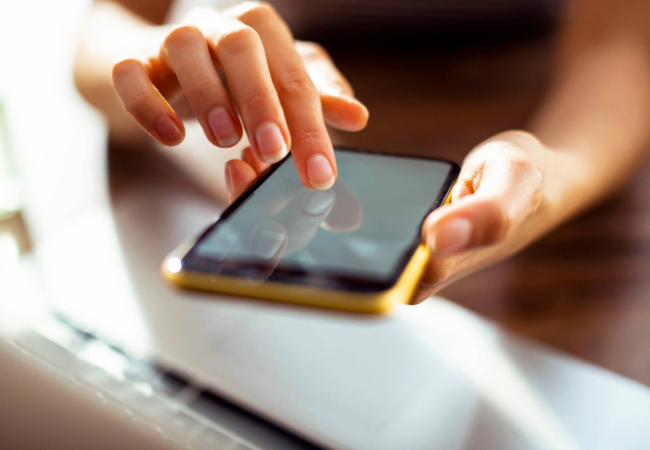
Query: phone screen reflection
362	226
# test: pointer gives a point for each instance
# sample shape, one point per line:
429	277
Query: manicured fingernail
228	179
451	236
270	142
223	127
320	173
267	243
168	130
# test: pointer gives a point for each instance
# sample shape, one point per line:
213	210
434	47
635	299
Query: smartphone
356	246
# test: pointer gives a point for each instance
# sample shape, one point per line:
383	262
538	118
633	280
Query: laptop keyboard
143	389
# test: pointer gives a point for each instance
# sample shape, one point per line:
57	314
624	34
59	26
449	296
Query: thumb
500	185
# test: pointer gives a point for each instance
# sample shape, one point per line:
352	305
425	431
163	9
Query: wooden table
585	288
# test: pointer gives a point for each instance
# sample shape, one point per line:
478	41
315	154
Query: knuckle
182	36
528	171
239	40
520	163
296	83
259	10
256	100
137	104
200	89
308	137
522	154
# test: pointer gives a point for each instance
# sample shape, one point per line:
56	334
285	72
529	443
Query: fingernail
228	179
320	172
223	127
270	142
451	236
267	243
168	130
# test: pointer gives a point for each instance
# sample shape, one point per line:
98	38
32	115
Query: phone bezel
321	279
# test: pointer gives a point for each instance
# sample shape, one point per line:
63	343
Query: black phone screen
358	235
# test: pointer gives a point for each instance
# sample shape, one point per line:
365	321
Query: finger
186	50
240	53
312	149
500	186
143	101
340	108
249	158
239	177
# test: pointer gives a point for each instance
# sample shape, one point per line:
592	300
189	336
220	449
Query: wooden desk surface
585	288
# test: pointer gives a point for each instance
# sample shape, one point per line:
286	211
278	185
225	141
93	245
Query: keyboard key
143	371
211	439
181	426
152	409
122	391
166	384
101	355
45	349
92	375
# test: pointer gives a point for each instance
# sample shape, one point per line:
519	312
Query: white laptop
202	371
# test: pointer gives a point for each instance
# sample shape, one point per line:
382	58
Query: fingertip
320	172
239	176
449	229
170	132
228	177
468	224
451	235
344	112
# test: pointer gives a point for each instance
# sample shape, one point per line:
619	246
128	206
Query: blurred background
584	289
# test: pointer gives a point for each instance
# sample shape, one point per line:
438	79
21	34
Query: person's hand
498	205
284	91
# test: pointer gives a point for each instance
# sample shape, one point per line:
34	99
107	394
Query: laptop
100	339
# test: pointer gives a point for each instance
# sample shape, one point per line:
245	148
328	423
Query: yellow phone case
374	302
307	295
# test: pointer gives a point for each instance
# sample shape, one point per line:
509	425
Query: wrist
565	186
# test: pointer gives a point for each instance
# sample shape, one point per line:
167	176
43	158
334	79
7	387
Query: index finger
311	146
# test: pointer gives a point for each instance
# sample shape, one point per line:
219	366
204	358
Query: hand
283	90
498	205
